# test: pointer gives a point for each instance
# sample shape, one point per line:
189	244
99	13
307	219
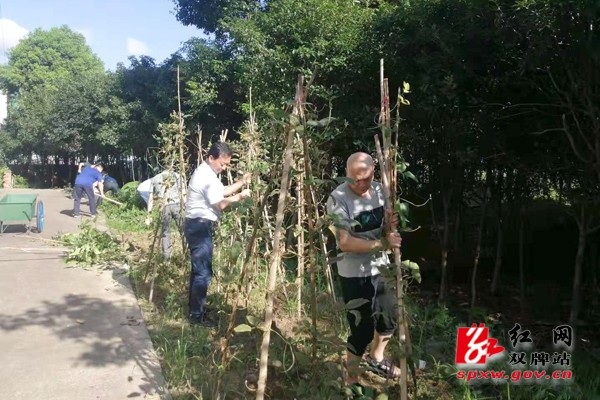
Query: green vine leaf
242	328
409	175
355	303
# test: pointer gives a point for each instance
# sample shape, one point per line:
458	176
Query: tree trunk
498	263
444	249
576	295
499	241
477	256
457	241
595	263
522	256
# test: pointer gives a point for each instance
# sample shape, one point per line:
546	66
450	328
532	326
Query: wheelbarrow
21	208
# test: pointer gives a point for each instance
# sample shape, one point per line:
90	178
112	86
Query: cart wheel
40	216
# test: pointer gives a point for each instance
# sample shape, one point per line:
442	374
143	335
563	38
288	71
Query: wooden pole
182	178
275	260
399	279
301	260
389	184
109	199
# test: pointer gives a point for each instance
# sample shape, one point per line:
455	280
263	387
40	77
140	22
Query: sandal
384	368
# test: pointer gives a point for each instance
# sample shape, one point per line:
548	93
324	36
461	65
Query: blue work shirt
88	177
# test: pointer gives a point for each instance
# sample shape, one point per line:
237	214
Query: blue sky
114	29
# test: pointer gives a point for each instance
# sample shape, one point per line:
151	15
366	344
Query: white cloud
87	34
136	47
10	34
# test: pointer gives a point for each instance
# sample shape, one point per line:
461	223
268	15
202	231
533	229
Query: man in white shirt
207	198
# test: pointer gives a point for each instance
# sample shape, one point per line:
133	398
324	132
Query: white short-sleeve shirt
204	192
144	189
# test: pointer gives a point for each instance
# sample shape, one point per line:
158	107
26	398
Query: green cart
21	208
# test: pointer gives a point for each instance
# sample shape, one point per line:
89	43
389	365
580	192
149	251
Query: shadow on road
19	227
112	332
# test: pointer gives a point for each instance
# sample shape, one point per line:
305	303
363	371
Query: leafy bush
129	195
125	218
18	180
90	247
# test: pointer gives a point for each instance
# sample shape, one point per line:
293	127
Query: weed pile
90	247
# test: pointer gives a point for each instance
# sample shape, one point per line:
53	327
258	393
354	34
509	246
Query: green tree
56	82
148	94
210	92
210	14
48	58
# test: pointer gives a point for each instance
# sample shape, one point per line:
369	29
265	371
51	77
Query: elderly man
358	209
207	198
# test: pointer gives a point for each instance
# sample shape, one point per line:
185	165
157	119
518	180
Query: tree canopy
47	58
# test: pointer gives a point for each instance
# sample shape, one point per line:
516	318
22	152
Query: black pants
377	314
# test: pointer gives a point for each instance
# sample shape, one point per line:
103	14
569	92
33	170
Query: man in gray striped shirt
358	210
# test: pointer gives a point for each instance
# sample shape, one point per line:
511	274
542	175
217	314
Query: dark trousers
378	313
114	186
78	192
198	233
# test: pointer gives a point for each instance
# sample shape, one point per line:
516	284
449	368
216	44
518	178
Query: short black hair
99	164
220	149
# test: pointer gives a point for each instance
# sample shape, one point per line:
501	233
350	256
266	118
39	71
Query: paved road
68	333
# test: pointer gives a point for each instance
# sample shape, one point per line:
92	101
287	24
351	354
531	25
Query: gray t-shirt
166	185
362	218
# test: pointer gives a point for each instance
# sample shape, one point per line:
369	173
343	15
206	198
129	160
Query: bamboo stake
399	280
393	170
386	175
154	237
308	195
182	167
276	255
179	157
250	250
271	235
247	258
300	269
323	243
200	158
